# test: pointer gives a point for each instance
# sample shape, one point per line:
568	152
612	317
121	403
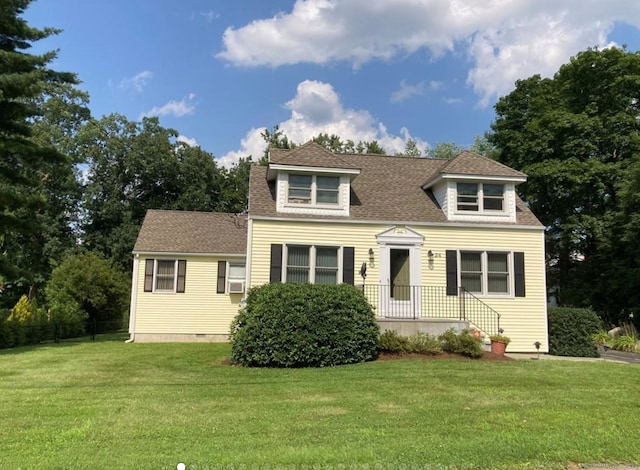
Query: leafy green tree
410	149
446	150
577	137
136	166
86	286
25	162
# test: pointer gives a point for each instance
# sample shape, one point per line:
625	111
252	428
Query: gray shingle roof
192	232
310	154
389	188
471	163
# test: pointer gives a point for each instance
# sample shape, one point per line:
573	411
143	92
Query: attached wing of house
433	244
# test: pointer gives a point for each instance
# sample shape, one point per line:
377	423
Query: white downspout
248	259
134	299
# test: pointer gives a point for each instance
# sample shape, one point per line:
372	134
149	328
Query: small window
471	271
165	275
326	265
236	277
468	197
313	190
493	197
498	273
327	189
479	197
300	189
298	264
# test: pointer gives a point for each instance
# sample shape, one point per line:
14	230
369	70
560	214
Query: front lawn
113	405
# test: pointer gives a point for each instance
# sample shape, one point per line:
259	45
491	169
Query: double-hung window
480	197
165	275
313	189
485	272
312	264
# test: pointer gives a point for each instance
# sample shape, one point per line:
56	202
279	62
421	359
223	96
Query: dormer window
313	189
480	197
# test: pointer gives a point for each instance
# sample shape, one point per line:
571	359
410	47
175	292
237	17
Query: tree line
73	185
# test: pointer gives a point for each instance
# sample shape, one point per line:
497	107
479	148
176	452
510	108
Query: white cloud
317	108
450	100
137	82
209	15
407	91
505	40
186	140
175	108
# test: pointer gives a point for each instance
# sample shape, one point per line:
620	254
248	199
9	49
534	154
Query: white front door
400	283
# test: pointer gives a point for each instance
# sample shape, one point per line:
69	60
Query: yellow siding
523	318
199	310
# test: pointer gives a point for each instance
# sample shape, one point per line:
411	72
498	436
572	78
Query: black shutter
182	275
222	276
348	267
275	273
518	267
148	275
452	272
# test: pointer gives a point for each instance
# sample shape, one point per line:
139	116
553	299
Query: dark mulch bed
487	356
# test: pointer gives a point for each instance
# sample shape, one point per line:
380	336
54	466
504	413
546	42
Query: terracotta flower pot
498	347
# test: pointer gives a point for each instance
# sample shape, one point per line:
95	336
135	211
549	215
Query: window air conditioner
236	287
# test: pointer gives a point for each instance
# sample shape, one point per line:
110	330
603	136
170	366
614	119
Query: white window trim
235	279
314	193
312	259
481	210
485	273
175	276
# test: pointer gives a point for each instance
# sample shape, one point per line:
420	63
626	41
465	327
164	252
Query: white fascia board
314	169
401	222
174	254
458	177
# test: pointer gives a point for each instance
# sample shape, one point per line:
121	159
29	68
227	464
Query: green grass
116	406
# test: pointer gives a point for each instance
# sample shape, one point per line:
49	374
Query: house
432	243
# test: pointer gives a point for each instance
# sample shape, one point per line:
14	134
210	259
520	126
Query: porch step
433	326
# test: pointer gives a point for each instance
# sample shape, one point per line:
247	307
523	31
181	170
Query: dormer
473	188
311	180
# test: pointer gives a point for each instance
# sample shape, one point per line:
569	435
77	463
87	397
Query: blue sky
219	72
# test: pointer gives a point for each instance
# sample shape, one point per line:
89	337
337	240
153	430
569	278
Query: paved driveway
631	358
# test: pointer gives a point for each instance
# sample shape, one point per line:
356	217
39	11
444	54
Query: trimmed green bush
571	331
304	325
463	343
420	343
424	343
392	342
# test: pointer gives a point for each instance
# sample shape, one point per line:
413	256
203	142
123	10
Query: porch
433	309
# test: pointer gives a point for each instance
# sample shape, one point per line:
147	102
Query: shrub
571	331
392	342
304	325
624	343
424	343
463	343
86	286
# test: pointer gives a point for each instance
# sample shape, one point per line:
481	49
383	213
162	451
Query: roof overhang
274	168
465	177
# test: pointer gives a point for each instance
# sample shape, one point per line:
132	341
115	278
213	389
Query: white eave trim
402	222
275	167
458	177
175	253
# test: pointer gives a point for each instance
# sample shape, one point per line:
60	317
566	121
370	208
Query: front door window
400	276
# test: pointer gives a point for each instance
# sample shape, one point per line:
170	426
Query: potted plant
499	342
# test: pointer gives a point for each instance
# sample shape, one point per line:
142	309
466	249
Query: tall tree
136	166
410	149
24	162
446	150
577	136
